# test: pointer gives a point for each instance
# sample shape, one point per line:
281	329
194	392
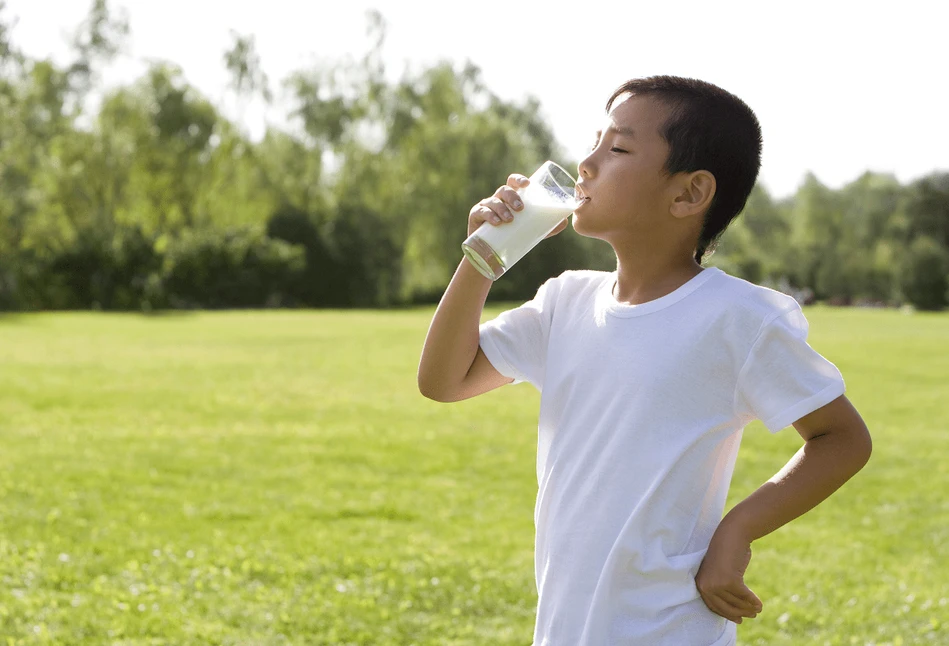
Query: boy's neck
643	276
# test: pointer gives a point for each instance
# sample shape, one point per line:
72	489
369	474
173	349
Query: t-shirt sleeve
784	378
516	341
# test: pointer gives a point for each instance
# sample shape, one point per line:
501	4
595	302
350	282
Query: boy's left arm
836	446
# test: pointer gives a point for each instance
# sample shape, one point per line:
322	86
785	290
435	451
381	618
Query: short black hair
707	129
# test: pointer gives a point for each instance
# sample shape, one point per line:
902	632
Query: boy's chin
580	227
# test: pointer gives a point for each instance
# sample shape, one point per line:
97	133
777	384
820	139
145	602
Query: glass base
480	254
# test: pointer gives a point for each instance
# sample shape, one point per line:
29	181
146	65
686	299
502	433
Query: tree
927	208
97	41
924	274
816	229
755	244
7	50
247	76
164	129
361	201
869	206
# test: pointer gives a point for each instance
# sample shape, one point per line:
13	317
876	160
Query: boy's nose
585	167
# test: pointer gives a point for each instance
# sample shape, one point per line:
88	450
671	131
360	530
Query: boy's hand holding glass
497	238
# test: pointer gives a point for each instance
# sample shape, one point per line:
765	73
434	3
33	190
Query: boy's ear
696	191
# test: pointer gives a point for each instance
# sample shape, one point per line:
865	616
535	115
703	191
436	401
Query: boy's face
624	179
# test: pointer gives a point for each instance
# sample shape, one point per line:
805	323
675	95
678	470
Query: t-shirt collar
608	302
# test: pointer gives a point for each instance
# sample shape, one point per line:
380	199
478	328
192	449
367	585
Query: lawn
275	478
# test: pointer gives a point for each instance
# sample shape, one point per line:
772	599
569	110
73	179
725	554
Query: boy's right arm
453	366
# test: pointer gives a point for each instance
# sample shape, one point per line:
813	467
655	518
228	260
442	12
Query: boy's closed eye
613	149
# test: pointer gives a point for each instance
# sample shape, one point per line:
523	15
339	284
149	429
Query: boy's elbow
429	393
866	447
434	390
860	447
438	396
425	388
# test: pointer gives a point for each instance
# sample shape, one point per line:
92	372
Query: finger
500	207
484	214
480	213
747	608
743	592
516	180
722	608
495	211
737	601
510	198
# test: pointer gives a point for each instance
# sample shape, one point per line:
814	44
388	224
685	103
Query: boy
647	377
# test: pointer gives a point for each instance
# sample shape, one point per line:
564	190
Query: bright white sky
839	86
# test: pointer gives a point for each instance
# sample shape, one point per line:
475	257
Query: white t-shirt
642	410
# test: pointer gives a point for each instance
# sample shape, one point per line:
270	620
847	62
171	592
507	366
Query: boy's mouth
581	196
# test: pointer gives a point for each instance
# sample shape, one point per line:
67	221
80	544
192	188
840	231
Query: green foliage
101	269
244	65
367	259
924	274
372	178
239	268
927	207
314	282
847	246
99	39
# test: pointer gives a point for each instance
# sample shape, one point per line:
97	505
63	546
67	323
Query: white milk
511	241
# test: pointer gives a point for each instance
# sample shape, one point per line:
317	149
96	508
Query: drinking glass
548	199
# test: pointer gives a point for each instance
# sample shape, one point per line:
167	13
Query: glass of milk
548	200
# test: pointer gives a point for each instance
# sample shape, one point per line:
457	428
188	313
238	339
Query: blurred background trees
157	200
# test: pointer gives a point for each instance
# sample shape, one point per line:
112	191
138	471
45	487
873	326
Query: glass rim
558	167
551	168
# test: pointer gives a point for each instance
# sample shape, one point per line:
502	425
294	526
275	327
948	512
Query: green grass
275	478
